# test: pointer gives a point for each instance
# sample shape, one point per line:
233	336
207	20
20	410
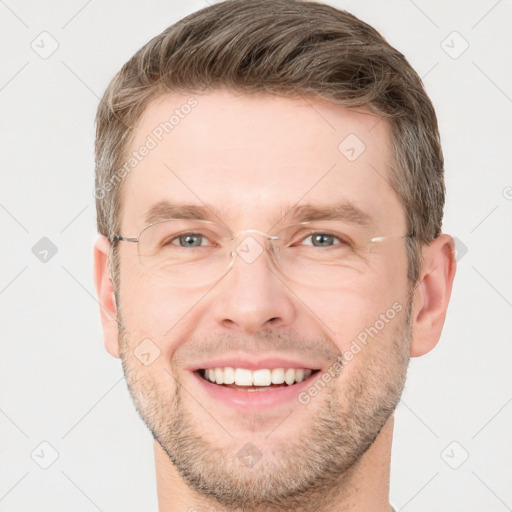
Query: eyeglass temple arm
119	238
382	238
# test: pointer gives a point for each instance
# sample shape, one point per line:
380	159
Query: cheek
153	310
148	304
360	313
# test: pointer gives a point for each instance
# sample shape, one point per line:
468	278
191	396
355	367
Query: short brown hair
290	48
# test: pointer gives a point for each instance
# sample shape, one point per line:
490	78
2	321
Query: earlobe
432	294
106	295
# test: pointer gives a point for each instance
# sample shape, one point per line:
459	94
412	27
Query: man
270	195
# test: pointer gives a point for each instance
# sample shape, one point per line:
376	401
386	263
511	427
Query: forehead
251	157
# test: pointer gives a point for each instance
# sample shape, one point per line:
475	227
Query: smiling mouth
243	379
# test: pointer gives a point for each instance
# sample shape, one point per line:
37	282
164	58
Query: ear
432	294
106	296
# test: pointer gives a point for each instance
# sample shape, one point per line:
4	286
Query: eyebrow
346	211
164	210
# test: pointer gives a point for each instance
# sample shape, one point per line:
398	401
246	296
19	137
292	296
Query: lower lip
255	400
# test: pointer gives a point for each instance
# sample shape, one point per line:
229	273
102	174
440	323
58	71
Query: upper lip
253	363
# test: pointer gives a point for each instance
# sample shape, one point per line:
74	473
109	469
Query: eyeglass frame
235	236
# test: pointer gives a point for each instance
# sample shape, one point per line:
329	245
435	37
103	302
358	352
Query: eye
320	239
189	240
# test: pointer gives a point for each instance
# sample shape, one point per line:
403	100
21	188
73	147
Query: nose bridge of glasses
248	248
249	232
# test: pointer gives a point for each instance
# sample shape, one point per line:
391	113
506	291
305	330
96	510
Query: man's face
250	162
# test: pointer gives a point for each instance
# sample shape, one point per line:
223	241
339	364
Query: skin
265	154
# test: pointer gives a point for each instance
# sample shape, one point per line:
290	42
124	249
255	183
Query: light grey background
57	383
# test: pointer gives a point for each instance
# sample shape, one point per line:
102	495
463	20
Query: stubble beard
305	474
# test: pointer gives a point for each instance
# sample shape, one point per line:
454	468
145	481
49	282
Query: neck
366	488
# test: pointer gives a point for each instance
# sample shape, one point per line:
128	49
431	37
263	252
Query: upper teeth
263	377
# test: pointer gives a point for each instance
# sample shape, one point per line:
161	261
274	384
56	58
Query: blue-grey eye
190	240
321	240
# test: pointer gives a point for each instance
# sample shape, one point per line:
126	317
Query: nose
253	296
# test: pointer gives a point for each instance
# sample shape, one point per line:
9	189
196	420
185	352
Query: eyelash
340	240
